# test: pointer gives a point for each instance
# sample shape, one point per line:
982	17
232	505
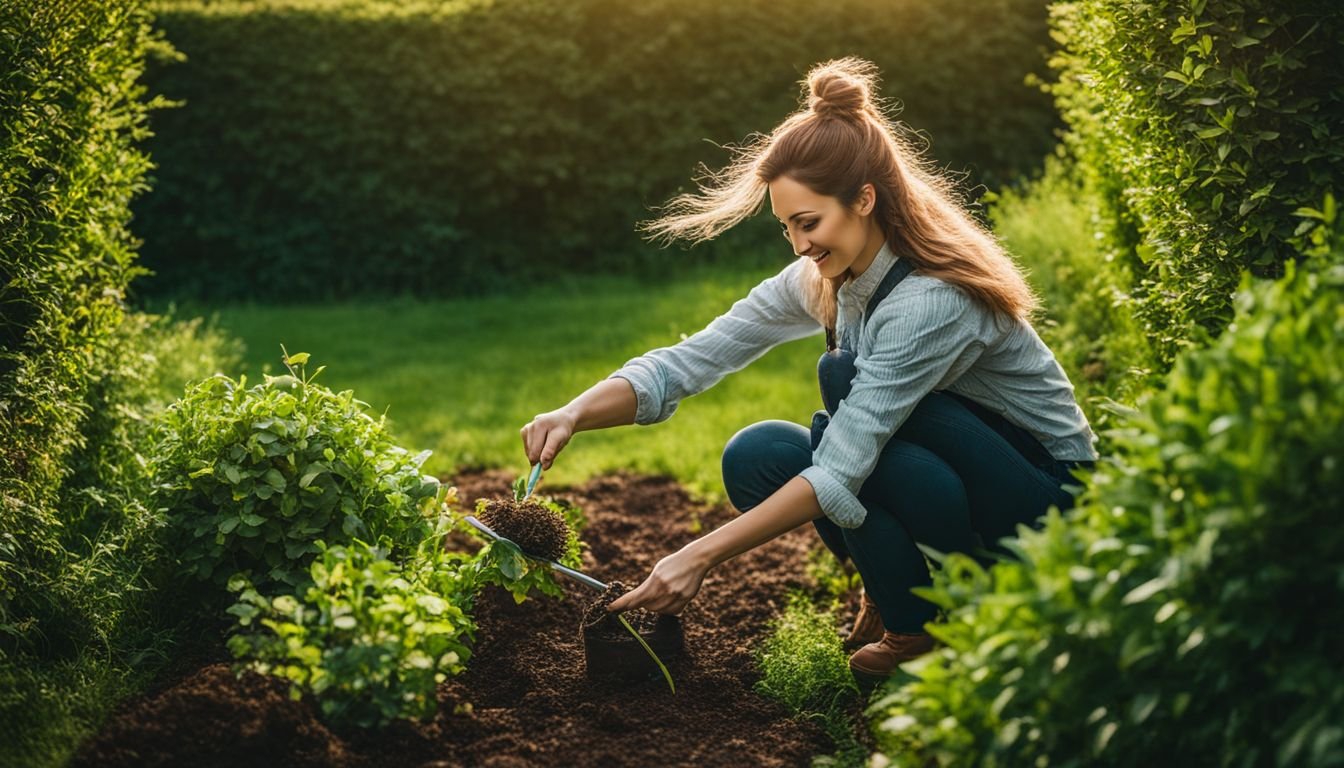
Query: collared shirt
927	335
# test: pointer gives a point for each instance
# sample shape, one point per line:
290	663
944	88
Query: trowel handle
578	576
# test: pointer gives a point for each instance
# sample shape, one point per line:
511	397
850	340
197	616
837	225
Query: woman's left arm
677	578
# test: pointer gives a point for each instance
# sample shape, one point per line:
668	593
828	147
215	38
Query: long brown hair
837	141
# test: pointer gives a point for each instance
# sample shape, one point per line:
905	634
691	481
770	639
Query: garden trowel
578	576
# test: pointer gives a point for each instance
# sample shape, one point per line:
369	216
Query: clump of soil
597	620
536	529
525	698
596	614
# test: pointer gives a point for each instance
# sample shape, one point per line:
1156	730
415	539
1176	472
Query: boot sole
868	682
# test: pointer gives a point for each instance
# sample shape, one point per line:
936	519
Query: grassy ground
462	377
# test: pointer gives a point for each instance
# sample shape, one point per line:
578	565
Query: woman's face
836	238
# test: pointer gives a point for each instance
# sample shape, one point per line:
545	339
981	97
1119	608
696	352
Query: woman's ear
867	199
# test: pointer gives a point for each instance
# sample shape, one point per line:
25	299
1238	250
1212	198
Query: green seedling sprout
666	675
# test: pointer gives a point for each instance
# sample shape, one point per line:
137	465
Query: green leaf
274	479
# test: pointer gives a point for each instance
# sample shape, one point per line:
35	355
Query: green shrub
1204	125
372	637
368	642
803	664
251	478
341	147
1186	612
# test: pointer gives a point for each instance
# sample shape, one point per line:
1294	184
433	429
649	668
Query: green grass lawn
462	377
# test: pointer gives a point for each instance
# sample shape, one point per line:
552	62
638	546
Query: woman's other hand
675	580
545	435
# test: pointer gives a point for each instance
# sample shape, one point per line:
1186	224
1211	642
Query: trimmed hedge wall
340	147
1205	125
72	111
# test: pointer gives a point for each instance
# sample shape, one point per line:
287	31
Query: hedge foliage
1204	125
341	147
73	112
1188	611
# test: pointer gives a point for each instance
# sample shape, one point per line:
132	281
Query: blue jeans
947	479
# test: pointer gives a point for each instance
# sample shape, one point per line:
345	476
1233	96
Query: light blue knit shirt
927	335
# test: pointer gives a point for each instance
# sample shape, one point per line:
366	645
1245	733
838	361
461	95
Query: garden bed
525	699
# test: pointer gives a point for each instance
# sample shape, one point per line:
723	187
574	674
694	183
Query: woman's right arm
648	388
608	403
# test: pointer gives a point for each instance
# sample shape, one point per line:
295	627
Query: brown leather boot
880	659
867	625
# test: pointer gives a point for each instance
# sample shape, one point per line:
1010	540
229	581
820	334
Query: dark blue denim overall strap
836	369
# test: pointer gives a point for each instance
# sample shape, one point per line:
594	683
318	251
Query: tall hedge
341	147
72	112
1205	125
1188	611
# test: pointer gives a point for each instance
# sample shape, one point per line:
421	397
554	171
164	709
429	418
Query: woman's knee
762	457
909	476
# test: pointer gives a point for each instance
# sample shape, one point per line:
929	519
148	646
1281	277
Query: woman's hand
677	578
545	435
674	581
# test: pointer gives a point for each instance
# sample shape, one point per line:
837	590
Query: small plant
539	529
596	618
540	525
804	667
369	639
252	478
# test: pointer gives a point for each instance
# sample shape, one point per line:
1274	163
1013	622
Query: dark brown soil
525	700
536	530
598	620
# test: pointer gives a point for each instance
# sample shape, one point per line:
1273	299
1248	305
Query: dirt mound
525	699
535	529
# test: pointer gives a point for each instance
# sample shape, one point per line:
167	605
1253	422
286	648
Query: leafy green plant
373	635
252	478
1203	125
805	668
369	640
74	115
503	563
1182	613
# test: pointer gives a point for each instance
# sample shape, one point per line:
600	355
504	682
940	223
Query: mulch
525	699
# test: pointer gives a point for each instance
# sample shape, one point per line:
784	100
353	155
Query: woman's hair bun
841	87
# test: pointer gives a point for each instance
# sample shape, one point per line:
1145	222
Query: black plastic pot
611	652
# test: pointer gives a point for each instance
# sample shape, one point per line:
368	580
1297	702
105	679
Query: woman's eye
808	227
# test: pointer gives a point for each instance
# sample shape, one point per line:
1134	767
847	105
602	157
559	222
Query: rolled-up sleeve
772	313
913	347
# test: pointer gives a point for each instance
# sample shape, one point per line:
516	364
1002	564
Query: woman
948	421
